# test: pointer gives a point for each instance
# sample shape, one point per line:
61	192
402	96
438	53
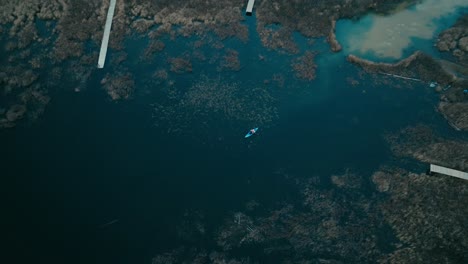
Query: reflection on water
389	36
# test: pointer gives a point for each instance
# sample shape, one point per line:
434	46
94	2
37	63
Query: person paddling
251	132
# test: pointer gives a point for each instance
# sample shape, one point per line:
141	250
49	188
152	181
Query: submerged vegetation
392	216
420	142
422	68
63	31
210	100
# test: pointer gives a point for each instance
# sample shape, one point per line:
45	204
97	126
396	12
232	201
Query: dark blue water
90	161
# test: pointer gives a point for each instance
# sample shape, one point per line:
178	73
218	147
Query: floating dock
249	9
449	172
105	37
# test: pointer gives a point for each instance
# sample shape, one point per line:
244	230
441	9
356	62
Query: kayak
251	132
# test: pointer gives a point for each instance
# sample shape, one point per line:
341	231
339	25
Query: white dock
105	37
449	172
250	6
401	77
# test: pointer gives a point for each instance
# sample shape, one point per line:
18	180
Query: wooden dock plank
449	172
105	37
250	6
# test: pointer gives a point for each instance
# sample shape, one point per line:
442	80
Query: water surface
394	36
90	161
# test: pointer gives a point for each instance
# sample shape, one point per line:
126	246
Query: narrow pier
401	77
449	172
250	6
105	37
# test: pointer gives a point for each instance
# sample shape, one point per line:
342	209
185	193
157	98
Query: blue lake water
90	161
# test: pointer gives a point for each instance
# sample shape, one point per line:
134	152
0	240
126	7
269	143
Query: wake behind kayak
251	132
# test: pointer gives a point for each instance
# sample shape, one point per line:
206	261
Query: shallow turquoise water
390	38
90	161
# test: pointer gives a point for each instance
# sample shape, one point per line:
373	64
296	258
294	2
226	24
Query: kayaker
251	132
